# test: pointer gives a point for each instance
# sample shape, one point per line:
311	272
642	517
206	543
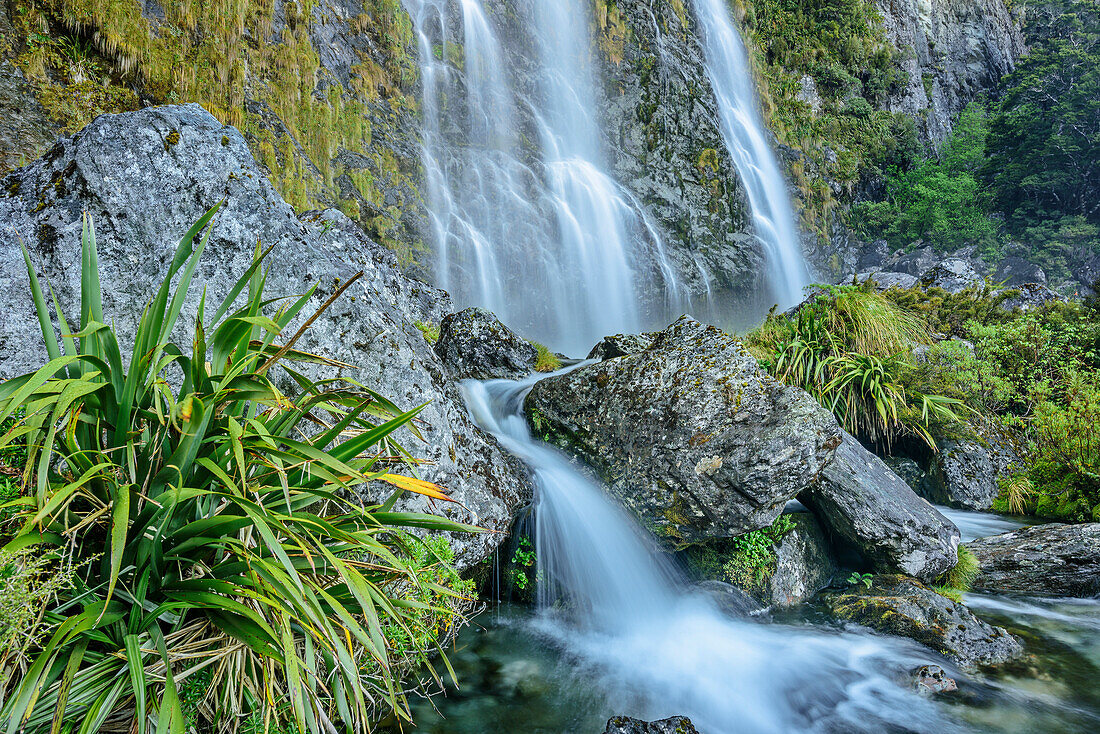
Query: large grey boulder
672	725
620	345
474	344
915	263
866	504
1015	271
804	563
901	606
145	177
885	280
965	473
1028	296
1054	559
691	434
953	275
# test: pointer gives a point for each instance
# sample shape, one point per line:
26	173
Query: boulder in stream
474	344
671	725
145	177
690	433
965	473
866	504
897	605
1053	559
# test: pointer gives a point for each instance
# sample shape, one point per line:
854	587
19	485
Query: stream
620	629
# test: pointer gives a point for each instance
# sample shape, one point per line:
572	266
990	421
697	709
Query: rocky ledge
1055	559
897	605
672	725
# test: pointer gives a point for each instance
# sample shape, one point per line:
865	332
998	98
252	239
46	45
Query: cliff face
954	49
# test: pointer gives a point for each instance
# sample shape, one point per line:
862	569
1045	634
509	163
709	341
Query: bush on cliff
206	526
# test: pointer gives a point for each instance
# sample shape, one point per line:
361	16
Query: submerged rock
932	679
474	344
862	501
691	434
902	606
145	177
672	725
729	599
1054	559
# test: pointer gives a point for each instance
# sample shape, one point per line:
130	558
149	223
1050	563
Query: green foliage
856	578
29	577
1066	449
940	200
523	564
210	521
1043	165
546	361
850	348
748	560
430	331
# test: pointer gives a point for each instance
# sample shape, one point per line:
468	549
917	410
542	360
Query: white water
973	525
743	132
524	218
659	647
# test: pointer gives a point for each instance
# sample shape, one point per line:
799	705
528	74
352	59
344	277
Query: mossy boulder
474	344
903	606
672	725
690	433
1054	559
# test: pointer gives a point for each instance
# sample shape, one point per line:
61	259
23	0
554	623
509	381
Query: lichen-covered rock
865	503
953	275
965	473
25	127
804	563
627	725
691	434
1016	271
1054	559
620	345
932	679
897	605
885	280
915	263
474	344
145	177
1028	296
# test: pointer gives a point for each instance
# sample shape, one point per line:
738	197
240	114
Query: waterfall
743	132
660	647
524	219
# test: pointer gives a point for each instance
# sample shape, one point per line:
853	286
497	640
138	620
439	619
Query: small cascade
635	623
525	220
743	132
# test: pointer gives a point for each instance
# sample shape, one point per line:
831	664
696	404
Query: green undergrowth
546	361
957	580
747	561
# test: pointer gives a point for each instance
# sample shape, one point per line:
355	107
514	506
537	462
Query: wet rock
873	257
1028	296
1053	559
25	127
885	280
953	275
897	605
965	473
804	563
865	503
691	434
1016	271
474	344
909	470
627	725
932	680
1088	273
620	345
916	263
730	599
145	177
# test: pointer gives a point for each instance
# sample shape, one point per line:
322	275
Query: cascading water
524	219
743	132
658	647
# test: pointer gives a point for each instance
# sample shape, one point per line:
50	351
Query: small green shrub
430	331
749	559
547	361
855	578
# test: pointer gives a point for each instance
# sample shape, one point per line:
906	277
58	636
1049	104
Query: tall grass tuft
210	522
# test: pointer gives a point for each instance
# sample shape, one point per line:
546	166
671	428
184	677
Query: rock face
804	563
690	434
620	345
957	49
627	725
1055	559
145	177
475	344
897	605
965	474
1029	296
865	503
25	128
1016	271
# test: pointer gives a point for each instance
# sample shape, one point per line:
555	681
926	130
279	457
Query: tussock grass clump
961	576
547	361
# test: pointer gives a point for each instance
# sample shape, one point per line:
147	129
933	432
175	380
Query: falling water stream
743	132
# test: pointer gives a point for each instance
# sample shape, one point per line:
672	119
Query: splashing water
524	218
743	132
661	648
